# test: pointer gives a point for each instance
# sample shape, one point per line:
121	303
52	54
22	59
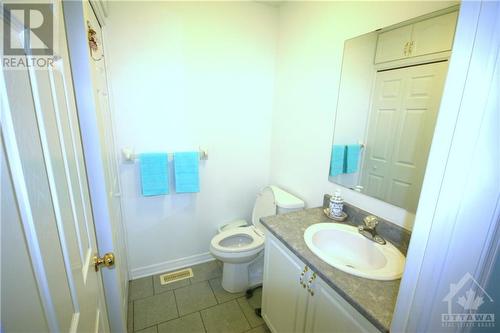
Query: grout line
176	305
133	309
145	328
244	315
202	322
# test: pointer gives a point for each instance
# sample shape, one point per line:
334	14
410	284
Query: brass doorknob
107	260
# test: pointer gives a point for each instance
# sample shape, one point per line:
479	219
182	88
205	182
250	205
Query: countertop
374	299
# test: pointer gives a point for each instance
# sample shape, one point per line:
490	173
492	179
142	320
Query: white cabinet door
391	44
284	300
328	312
434	35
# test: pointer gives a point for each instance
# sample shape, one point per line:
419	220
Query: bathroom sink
344	248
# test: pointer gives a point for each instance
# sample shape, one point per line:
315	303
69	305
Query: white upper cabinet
434	35
428	36
393	44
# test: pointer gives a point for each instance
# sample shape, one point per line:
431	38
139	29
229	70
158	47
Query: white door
41	136
327	312
109	156
284	300
403	115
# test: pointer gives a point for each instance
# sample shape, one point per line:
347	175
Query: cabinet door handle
405	50
410	50
311	279
301	279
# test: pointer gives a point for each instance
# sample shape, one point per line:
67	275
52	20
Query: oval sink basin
344	248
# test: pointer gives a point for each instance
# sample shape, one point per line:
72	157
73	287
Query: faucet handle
370	221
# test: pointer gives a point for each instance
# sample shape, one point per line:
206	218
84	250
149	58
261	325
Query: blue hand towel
337	160
352	159
154	173
187	178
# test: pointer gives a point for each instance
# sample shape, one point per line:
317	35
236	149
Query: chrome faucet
369	229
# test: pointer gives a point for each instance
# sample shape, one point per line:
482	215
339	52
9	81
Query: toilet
240	246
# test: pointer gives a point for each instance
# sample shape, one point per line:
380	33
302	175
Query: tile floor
192	305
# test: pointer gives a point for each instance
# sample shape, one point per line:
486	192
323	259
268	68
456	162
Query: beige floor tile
225	318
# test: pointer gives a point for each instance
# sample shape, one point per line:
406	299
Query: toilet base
240	277
235	277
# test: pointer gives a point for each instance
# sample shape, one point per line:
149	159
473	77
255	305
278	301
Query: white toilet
240	247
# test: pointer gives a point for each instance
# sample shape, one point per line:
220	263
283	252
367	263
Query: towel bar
129	155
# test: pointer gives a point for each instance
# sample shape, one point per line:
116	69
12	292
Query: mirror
390	90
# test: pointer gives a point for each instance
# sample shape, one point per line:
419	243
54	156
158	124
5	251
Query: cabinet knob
311	279
301	279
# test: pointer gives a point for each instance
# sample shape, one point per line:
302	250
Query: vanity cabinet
295	299
433	35
284	300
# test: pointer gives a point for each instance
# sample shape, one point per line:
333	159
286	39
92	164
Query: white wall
184	75
311	39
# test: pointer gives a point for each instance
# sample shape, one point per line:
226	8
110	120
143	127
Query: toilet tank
286	202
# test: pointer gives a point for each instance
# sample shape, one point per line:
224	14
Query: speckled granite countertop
373	299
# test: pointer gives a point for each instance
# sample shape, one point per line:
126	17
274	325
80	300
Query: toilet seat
238	240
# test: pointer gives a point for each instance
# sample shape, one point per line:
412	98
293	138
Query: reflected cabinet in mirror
390	91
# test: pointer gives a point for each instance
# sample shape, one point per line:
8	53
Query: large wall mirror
390	91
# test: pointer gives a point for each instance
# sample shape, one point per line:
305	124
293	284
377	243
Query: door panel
20	298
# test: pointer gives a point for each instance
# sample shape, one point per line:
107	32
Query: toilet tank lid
284	199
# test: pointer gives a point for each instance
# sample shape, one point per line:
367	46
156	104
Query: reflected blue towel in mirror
353	153
154	173
187	178
337	160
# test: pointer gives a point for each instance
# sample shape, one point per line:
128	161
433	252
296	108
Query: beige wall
311	39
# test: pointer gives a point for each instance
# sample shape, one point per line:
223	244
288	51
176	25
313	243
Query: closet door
403	116
416	120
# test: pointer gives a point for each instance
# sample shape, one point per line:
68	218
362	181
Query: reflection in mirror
390	90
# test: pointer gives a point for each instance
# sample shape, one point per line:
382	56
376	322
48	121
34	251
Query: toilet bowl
240	247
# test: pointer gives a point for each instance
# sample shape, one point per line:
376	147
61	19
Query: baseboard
170	265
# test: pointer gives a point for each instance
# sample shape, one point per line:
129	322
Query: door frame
84	97
471	71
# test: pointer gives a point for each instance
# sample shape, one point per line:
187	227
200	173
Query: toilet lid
265	205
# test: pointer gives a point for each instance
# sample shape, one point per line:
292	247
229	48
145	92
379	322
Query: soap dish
341	218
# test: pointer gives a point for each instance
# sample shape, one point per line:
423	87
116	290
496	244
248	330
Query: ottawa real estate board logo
28	35
465	299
